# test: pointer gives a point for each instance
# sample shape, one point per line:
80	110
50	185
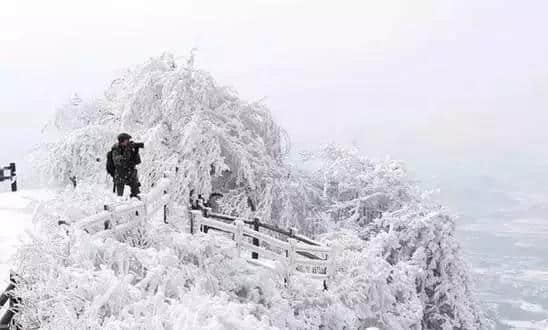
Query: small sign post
12	175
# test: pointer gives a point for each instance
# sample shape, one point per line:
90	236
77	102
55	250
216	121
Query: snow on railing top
299	254
149	204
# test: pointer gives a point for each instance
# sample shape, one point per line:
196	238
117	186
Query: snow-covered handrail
12	309
300	254
150	203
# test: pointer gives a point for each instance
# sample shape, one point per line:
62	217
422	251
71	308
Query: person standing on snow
125	156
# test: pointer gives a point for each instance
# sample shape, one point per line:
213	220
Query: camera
136	145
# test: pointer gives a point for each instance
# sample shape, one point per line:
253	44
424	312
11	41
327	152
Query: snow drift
397	266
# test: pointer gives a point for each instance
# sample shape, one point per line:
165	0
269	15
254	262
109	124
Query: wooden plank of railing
311	262
222	216
307	240
308	255
312	248
228	217
4	296
220	230
94	220
217	224
127	209
250	222
265	254
266	226
6	319
268	239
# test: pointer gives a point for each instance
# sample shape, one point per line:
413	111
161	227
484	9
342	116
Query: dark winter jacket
125	159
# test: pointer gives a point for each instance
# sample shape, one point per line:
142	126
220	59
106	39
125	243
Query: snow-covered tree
397	266
385	226
216	141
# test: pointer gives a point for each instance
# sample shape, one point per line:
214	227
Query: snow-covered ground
16	211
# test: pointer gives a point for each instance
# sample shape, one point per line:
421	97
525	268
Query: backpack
110	164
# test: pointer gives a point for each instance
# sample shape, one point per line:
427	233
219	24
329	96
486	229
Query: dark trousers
135	191
132	181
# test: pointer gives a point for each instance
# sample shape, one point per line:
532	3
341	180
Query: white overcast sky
413	79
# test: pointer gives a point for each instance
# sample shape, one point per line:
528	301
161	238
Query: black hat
123	137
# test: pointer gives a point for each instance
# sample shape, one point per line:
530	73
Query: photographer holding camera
121	162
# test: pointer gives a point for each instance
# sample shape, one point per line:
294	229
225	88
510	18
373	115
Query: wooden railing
8	298
116	216
299	254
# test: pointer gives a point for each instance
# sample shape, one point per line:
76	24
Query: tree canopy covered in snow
187	121
397	266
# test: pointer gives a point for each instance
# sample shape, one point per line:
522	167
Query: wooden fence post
293	231
207	212
195	223
239	236
165	211
13	177
165	205
291	258
255	255
107	223
329	269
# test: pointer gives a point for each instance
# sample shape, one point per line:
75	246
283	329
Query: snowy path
16	211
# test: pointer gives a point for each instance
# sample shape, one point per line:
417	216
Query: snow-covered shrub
298	202
77	154
174	280
404	238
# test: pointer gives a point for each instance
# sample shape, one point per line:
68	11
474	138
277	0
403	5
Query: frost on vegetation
397	263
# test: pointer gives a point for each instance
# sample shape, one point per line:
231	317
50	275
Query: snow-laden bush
159	277
399	261
405	275
397	264
151	278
